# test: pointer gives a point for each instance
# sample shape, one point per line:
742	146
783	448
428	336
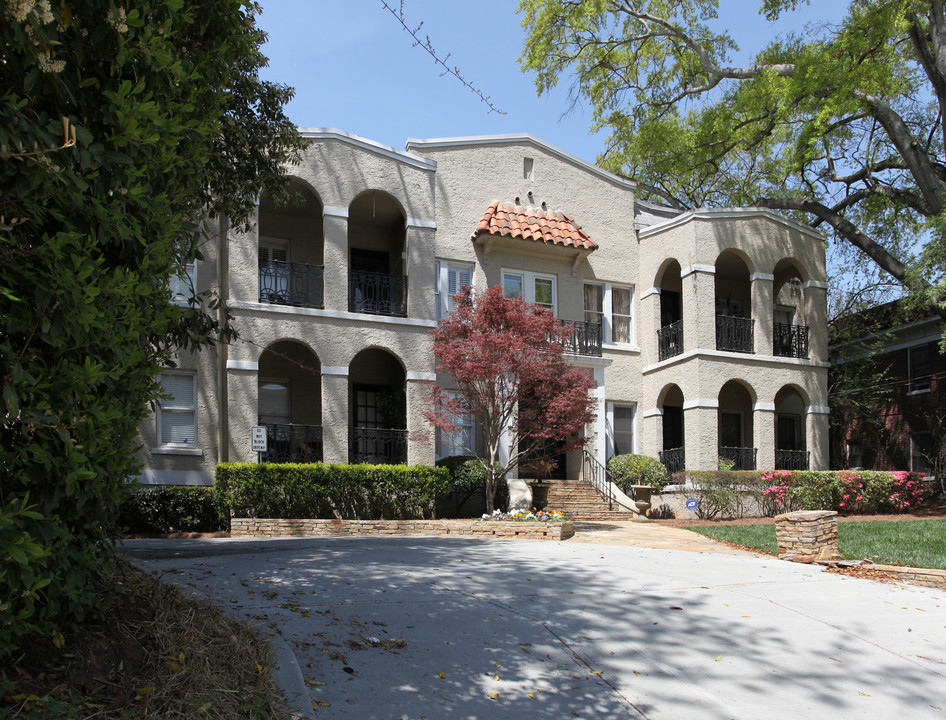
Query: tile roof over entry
551	228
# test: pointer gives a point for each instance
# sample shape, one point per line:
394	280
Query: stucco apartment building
705	331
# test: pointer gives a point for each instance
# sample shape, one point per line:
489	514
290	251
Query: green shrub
316	490
726	494
862	491
628	470
467	493
167	509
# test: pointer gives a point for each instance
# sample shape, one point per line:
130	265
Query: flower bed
525	516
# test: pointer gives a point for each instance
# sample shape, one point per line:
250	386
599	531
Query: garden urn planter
642	494
540	494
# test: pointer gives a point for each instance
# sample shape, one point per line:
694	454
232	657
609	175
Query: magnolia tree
507	361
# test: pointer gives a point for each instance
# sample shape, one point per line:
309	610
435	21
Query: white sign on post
259	438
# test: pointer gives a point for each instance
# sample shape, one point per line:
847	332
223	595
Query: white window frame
166	405
465	421
608	315
285	382
609	429
444	298
913	450
273	243
184	287
528	285
923	383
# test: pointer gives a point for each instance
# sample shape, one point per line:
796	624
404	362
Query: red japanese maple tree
506	359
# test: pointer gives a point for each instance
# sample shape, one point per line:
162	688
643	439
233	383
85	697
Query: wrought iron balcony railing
585	340
673	459
377	446
791	459
790	340
734	334
292	444
377	294
742	458
296	284
670	340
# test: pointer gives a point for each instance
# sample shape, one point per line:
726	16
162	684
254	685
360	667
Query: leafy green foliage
119	131
728	494
468	483
316	490
170	509
627	470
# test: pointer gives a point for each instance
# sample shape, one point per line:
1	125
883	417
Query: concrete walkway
467	628
651	535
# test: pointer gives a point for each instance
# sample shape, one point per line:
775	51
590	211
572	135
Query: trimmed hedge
468	483
770	492
316	490
629	469
167	509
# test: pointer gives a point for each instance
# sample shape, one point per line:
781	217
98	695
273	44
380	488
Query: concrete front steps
580	501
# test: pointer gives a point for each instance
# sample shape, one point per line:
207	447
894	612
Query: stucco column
816	315
335	259
243	259
420	268
651	438
763	422
648	323
420	433
816	435
335	406
599	447
700	436
242	391
763	312
699	310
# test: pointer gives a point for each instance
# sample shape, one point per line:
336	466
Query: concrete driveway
465	628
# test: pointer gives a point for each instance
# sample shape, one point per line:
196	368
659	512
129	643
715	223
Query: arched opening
291	249
670	334
790	326
735	427
791	447
733	304
377	408
672	456
376	262
289	403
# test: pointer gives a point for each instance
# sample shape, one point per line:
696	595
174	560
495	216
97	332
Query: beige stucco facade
335	296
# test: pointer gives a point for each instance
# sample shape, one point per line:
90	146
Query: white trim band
418	223
814	284
248	365
701	403
425	376
335	212
761	276
819	410
334	314
696	267
654	412
649	292
335	370
763	407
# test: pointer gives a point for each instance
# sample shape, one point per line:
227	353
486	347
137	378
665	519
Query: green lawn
908	542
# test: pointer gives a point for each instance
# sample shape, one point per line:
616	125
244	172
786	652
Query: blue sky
355	68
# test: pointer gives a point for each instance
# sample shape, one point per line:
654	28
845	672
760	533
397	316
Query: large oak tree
841	126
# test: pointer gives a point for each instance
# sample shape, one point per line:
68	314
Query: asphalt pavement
430	627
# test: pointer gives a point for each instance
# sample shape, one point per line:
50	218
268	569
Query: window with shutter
451	279
177	413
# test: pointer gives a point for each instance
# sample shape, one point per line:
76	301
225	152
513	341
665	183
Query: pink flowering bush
847	491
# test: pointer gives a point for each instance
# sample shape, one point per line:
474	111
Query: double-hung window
620	429
531	287
459	442
184	285
451	279
918	360
177	413
610	305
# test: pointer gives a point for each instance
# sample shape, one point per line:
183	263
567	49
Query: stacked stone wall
268	527
807	536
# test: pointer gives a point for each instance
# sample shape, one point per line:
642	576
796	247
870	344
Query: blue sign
691	503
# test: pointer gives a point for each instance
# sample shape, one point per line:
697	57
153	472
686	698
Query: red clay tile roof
551	228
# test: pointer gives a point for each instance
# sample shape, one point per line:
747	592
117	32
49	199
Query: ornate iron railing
742	458
292	444
790	340
377	446
377	294
734	334
791	459
673	459
599	477
670	340
297	284
585	340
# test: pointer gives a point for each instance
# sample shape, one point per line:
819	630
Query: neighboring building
888	395
705	330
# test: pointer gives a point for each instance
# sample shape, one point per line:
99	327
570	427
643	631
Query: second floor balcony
734	334
670	340
584	340
377	294
790	340
286	283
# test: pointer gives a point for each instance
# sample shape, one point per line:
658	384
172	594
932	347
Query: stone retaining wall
914	576
266	527
807	535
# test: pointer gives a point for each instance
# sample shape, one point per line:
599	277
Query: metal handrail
790	340
674	459
743	458
377	293
734	334
599	477
377	446
289	443
792	459
282	283
584	340
670	340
